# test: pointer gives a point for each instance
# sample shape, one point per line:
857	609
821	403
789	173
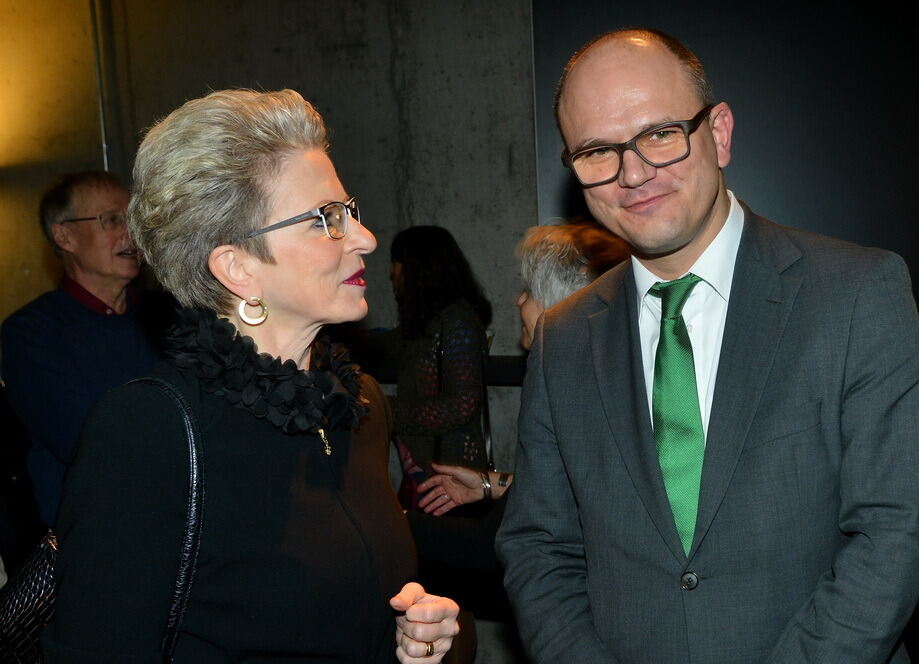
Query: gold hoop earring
253	302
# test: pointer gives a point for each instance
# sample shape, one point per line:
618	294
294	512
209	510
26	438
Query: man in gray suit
719	440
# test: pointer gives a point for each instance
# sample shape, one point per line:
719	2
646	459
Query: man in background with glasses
63	350
718	439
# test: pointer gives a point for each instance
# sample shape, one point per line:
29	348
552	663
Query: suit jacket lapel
760	302
620	378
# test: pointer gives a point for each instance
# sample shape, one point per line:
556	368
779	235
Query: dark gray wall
824	138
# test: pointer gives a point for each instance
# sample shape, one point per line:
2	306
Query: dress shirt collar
93	303
716	264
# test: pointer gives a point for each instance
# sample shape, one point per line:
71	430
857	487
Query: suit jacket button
689	581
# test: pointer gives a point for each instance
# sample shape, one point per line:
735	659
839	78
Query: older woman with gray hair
304	553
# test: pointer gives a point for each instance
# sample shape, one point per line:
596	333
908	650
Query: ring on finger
429	650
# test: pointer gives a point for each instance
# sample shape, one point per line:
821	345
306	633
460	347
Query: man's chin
651	251
654	236
130	275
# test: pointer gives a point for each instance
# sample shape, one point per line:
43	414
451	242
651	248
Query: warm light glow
48	97
49	123
639	41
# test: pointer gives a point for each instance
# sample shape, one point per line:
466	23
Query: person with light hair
96	330
304	553
556	261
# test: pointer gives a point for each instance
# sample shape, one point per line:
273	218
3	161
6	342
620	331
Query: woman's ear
234	267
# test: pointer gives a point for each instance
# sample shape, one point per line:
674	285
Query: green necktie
675	408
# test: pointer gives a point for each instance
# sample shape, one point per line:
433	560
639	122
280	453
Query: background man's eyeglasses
108	220
661	145
334	218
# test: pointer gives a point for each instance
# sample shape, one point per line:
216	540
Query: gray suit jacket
807	538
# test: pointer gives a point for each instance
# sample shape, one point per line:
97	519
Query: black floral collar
229	364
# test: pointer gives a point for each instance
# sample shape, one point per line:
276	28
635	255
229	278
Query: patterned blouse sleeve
460	396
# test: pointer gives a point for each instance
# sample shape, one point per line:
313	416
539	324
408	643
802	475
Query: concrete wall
48	124
430	107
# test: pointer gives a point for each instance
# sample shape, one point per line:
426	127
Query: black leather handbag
27	601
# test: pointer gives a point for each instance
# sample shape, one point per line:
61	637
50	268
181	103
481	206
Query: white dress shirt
704	312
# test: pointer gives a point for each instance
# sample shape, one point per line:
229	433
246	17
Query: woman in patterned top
442	347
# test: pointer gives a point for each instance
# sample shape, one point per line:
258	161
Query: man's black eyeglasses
660	145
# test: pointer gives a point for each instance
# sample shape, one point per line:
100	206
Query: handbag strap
191	538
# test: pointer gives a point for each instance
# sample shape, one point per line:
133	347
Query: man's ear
62	237
234	267
722	123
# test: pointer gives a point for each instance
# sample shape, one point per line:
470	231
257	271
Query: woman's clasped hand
426	626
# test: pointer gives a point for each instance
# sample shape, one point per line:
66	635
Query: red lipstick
356	279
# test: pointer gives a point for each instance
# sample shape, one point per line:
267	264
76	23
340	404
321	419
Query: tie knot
674	294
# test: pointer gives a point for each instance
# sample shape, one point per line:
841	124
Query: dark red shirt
93	303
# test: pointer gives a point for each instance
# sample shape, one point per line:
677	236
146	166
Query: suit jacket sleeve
860	606
540	541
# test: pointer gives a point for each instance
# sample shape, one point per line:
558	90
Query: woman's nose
360	239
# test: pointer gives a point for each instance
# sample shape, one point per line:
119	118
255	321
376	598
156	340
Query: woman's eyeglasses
334	217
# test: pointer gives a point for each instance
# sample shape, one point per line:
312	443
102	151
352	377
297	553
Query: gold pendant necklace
325	442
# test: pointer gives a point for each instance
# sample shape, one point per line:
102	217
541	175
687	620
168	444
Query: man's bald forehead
640	38
615	40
